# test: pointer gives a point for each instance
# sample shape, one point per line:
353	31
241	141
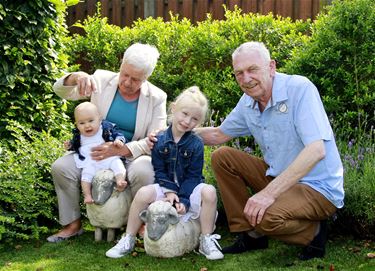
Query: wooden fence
124	12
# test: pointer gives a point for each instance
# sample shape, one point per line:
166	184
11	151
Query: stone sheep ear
173	216
143	215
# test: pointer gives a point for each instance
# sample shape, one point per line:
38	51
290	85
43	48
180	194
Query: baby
92	131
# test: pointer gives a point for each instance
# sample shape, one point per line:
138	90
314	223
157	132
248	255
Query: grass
83	253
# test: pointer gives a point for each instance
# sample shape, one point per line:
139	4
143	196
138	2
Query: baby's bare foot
121	185
88	200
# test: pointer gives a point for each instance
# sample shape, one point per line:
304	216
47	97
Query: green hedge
340	59
31	35
189	54
32	38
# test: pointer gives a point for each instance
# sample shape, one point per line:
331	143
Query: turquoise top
123	114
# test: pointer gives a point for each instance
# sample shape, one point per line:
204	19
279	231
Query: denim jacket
178	167
110	133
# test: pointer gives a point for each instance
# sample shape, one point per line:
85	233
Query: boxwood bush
189	54
339	58
31	35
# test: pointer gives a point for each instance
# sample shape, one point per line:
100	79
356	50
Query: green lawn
83	253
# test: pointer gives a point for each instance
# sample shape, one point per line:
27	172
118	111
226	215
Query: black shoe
245	243
316	249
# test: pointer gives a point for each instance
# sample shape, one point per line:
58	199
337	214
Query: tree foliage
31	38
340	59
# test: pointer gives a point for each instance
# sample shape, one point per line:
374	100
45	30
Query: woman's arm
75	86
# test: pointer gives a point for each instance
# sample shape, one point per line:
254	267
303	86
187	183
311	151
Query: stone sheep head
158	217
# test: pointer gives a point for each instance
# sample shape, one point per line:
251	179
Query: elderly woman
125	98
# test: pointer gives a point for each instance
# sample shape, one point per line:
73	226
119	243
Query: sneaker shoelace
212	243
124	243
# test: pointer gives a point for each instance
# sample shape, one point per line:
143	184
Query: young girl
177	158
90	132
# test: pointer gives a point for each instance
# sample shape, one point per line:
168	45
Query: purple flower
248	150
351	143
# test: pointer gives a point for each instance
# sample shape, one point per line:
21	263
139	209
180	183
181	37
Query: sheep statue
166	234
111	207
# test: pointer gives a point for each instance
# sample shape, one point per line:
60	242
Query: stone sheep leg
113	213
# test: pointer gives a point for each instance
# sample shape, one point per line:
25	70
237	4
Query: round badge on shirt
283	108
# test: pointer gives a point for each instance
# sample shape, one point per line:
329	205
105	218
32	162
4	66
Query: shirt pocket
165	154
185	157
284	135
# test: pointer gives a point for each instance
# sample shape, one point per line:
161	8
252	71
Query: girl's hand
175	201
180	208
172	197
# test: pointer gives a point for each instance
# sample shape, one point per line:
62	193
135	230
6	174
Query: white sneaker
123	247
210	247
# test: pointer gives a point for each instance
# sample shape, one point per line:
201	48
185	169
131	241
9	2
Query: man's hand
256	206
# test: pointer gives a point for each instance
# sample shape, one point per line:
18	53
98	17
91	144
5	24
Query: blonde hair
188	97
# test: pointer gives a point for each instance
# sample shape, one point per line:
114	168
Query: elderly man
298	184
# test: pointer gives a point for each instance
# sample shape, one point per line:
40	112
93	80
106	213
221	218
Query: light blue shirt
293	118
124	114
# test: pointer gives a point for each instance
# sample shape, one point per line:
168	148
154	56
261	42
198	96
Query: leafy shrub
31	35
189	54
339	59
27	200
358	215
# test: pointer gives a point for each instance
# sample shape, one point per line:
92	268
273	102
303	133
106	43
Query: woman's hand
108	149
118	143
85	83
151	138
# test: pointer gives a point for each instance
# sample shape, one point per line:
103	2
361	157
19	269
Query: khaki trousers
292	218
67	180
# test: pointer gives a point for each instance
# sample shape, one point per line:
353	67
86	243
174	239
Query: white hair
142	57
253	46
